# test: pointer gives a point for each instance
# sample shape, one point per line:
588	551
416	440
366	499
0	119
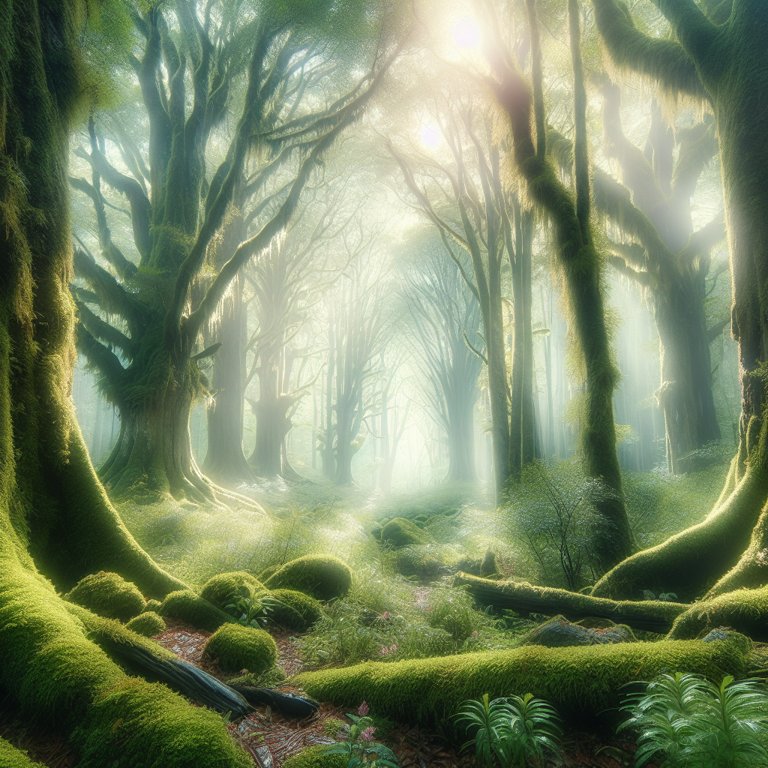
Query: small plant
251	611
685	720
510	732
358	745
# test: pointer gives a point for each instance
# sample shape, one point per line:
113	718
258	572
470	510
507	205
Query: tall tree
55	519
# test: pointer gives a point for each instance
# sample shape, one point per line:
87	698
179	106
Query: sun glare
466	34
430	136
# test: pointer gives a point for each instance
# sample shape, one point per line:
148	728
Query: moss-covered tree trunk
726	64
55	518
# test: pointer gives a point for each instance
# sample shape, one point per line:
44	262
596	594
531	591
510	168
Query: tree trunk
461	440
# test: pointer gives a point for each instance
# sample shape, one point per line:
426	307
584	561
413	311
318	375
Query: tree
718	56
195	62
55	519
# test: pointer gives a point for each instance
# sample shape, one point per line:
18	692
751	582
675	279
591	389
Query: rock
558	632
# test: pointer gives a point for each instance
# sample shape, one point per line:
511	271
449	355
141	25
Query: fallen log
651	615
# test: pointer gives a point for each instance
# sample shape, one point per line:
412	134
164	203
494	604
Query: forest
382	383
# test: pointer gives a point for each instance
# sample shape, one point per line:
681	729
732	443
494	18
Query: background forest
375	352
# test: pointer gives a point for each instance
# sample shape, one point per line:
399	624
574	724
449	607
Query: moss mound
148	624
138	723
235	647
152	605
187	606
581	683
10	757
745	610
224	588
418	561
400	532
322	576
294	610
315	757
109	595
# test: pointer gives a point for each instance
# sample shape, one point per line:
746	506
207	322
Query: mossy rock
316	757
143	724
400	532
744	610
109	595
558	632
322	576
419	562
10	757
235	647
224	588
269	571
582	683
147	624
294	610
153	605
187	606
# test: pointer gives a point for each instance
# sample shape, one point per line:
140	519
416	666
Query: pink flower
385	650
363	709
367	733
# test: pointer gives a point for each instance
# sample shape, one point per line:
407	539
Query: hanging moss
315	757
10	757
294	610
235	647
224	588
109	595
148	624
400	532
138	723
581	683
323	576
187	606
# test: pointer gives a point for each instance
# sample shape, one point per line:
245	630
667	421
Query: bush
235	647
294	610
322	576
187	606
109	595
10	757
400	532
148	624
316	757
223	589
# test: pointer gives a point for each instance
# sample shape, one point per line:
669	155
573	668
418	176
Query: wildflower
367	733
363	709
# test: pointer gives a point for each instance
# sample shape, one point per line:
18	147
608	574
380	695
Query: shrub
400	532
189	607
316	757
109	595
685	720
322	576
294	610
235	647
148	624
513	732
223	589
10	757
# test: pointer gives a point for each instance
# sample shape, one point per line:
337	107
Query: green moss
580	683
152	605
745	610
224	588
189	607
269	571
138	723
10	757
400	532
294	610
148	624
315	757
235	647
322	576
419	561
109	595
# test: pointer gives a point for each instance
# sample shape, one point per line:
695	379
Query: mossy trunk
55	518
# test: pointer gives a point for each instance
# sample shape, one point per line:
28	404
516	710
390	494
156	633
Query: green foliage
400	532
316	757
580	682
235	647
251	611
224	588
187	606
138	723
294	610
511	732
421	562
148	624
452	610
322	576
10	757
684	720
109	595
358	747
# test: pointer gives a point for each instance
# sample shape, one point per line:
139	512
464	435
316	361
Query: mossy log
582	683
10	757
651	615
